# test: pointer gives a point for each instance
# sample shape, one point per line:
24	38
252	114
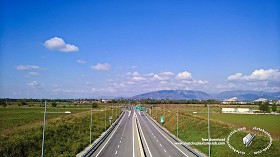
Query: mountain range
241	95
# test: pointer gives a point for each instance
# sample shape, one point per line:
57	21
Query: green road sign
162	119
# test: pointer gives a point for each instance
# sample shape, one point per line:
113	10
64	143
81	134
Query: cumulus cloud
167	73
257	75
28	67
138	78
135	73
58	44
33	84
80	61
101	67
184	75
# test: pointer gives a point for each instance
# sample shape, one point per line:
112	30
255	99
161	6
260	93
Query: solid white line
133	136
165	137
144	139
110	137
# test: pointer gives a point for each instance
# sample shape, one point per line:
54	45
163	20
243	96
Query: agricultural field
194	126
65	135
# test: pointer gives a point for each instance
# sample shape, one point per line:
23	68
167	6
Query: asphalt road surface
124	140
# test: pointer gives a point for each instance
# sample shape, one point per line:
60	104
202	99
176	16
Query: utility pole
105	116
90	125
44	127
209	147
177	122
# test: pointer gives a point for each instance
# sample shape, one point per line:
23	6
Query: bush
54	104
94	105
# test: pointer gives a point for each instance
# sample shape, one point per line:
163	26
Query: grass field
270	123
193	127
66	134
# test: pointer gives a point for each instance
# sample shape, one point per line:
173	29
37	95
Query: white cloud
101	67
80	61
160	77
184	76
58	44
199	82
135	73
138	78
257	75
28	67
167	73
33	84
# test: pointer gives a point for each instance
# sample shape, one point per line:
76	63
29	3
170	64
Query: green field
66	134
270	123
194	127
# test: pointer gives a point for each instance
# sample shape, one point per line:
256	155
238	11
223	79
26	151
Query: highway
123	141
156	142
136	127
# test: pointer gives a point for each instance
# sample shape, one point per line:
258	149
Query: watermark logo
248	140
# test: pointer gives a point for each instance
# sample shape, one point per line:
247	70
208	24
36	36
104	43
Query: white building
237	110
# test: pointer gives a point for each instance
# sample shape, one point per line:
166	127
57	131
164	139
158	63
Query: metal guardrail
102	139
176	139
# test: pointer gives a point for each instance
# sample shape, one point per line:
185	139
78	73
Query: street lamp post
90	125
44	126
177	122
105	116
43	141
209	149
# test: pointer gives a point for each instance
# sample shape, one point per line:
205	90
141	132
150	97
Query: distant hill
174	95
241	95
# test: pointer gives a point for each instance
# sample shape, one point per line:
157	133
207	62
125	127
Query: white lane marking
164	150
144	139
160	145
133	136
118	146
110	136
116	152
120	141
157	140
166	137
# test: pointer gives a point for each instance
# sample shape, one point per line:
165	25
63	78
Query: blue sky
78	49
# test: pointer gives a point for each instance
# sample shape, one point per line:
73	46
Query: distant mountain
174	95
241	95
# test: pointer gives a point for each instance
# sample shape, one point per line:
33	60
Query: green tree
54	104
274	107
264	106
94	105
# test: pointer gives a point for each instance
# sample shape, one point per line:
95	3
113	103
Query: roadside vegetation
65	134
194	126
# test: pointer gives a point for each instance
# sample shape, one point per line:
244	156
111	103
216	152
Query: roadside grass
193	128
270	123
65	135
